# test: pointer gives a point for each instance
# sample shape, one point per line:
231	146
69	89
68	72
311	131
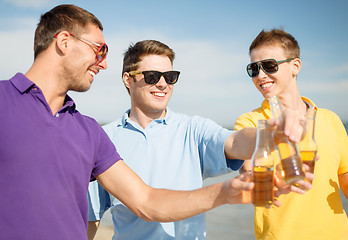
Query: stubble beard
74	80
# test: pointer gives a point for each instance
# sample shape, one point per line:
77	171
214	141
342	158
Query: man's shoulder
86	122
4	82
249	119
326	112
171	115
257	113
252	114
328	116
3	85
113	126
194	121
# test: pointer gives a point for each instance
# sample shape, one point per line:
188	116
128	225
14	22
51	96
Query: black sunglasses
153	77
268	66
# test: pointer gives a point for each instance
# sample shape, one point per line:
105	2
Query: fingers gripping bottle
263	167
289	155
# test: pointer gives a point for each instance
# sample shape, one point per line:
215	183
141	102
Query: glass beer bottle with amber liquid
308	146
262	168
289	155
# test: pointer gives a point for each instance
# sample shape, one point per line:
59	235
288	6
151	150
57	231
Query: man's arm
241	144
343	180
92	229
164	205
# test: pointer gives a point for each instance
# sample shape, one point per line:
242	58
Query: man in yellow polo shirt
318	214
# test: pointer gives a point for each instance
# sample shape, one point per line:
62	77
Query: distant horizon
231	127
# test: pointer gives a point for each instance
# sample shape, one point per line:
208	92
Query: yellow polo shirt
318	214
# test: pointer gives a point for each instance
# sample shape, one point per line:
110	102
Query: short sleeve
106	154
212	138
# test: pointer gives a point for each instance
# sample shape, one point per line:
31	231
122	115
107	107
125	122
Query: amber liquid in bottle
308	157
291	162
263	165
308	145
263	189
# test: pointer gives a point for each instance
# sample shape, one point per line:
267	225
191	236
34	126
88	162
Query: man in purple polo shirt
49	151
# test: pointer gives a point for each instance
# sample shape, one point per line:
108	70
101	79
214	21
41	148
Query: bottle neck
310	123
276	108
262	134
262	155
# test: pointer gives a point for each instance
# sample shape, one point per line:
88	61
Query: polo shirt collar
309	103
69	102
23	85
125	118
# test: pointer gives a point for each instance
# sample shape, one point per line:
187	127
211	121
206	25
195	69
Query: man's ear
127	80
296	66
62	41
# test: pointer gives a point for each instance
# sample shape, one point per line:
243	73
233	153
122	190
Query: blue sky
211	41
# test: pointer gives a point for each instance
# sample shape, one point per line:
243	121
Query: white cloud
340	69
10	25
328	87
17	52
213	83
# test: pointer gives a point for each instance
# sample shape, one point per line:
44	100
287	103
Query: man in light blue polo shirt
174	152
166	149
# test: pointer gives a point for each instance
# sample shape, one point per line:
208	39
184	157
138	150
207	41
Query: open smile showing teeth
158	94
266	85
91	72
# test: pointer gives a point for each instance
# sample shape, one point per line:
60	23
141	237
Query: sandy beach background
225	222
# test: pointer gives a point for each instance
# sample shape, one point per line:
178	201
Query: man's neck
293	101
48	84
145	118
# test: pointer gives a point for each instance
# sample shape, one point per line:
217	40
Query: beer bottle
308	146
289	155
262	166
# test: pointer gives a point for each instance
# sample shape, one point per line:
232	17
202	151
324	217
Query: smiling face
282	82
151	100
82	65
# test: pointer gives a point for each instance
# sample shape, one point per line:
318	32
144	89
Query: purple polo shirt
46	163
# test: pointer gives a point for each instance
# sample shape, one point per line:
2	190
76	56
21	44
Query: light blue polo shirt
175	152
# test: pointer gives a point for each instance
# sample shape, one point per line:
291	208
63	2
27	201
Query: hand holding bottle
289	156
293	121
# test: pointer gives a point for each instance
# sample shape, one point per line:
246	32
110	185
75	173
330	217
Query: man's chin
81	88
268	95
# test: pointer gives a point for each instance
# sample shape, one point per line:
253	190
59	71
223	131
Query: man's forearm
181	204
191	203
241	144
164	205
